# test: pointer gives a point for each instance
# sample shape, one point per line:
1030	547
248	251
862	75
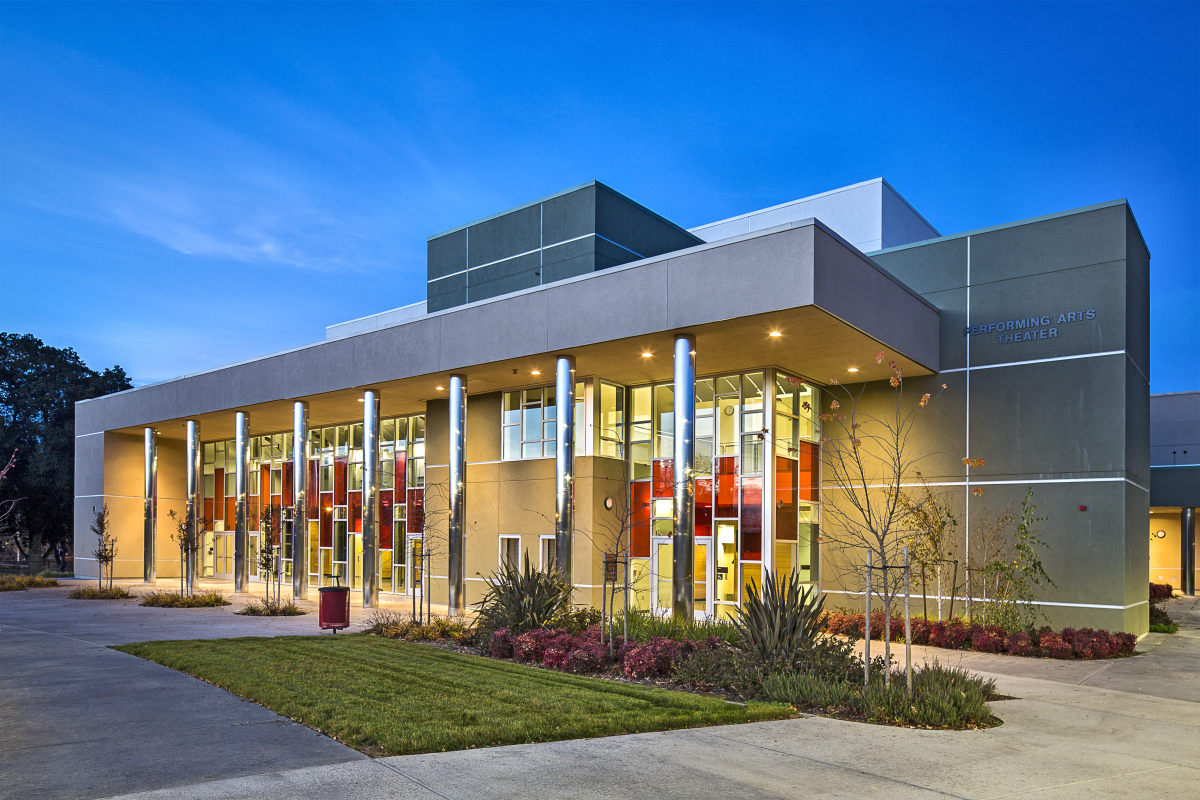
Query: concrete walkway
82	721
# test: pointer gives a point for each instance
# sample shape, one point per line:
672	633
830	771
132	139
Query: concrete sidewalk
83	721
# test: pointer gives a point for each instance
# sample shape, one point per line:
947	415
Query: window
510	552
612	420
528	422
548	553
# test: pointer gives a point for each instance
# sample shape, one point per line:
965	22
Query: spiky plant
779	626
521	600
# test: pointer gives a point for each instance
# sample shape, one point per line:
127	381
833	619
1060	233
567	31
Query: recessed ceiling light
647	354
361	400
776	333
441	388
536	372
852	369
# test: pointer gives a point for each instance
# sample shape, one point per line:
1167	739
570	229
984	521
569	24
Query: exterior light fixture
441	388
361	400
647	354
776	333
608	503
535	372
852	369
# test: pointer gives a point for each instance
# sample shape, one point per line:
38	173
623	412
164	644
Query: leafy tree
39	386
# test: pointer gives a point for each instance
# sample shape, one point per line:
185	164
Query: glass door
725	582
355	561
661	552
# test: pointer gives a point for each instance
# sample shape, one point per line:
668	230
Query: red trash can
334	608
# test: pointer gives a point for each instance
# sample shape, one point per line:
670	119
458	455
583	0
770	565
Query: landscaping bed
1069	643
16	583
387	697
177	600
95	593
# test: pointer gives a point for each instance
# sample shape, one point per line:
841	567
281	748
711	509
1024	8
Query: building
1174	488
573	351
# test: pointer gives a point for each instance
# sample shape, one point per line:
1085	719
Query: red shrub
987	639
1160	591
655	659
1125	644
531	646
921	628
1052	645
587	657
557	647
951	635
501	643
1021	644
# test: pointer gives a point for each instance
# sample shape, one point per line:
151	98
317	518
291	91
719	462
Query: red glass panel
208	511
314	487
339	482
704	498
416	511
752	519
809	472
219	494
641	511
252	511
327	519
230	511
727	501
664	477
385	519
264	480
785	499
288	493
401	463
355	512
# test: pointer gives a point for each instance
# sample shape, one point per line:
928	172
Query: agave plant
779	626
522	600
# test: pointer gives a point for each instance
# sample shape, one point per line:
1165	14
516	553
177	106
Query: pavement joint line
1097	672
1189	765
405	775
832	764
283	721
51	633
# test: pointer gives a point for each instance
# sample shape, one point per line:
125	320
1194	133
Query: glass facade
527	426
335	459
734	466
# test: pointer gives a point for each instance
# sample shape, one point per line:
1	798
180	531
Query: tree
270	527
106	545
868	457
1006	567
39	386
932	543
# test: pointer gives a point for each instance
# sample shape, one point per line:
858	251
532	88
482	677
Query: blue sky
184	186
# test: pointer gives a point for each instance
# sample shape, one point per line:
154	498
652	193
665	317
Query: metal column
195	508
456	491
150	507
370	534
300	490
683	544
241	534
1187	542
564	467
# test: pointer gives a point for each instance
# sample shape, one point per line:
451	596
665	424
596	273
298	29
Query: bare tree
868	457
10	528
106	545
270	527
188	544
932	543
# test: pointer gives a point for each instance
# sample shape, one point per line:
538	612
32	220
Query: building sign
1028	329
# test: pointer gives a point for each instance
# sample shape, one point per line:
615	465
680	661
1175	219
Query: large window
529	421
612	420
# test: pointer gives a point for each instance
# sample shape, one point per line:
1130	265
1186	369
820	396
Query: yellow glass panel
665	568
385	570
785	559
726	578
639	583
700	566
750	572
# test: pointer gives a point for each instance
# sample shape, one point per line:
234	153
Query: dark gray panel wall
563	232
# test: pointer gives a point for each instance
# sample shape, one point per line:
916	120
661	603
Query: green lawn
387	697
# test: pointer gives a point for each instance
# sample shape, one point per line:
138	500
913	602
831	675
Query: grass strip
387	697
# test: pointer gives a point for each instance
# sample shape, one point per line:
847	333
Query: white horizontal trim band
81	435
983	600
1034	361
618	244
1000	483
528	253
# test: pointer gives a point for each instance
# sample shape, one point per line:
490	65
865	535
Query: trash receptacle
334	608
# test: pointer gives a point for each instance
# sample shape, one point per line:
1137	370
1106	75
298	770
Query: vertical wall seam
967	512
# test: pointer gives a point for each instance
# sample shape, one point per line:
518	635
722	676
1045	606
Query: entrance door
662	552
355	561
725	581
220	554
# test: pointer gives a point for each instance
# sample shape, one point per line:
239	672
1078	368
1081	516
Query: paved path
1129	728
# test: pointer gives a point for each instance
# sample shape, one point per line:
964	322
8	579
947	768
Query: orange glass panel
416	511
640	515
809	472
355	511
727	499
327	519
288	493
339	482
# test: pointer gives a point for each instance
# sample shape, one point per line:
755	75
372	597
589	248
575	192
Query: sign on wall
1030	328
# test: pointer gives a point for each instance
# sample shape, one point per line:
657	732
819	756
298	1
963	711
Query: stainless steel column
370	534
150	507
683	544
300	491
456	494
195	507
564	467
1187	542
241	534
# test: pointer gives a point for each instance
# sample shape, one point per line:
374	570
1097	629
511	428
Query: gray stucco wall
1066	415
